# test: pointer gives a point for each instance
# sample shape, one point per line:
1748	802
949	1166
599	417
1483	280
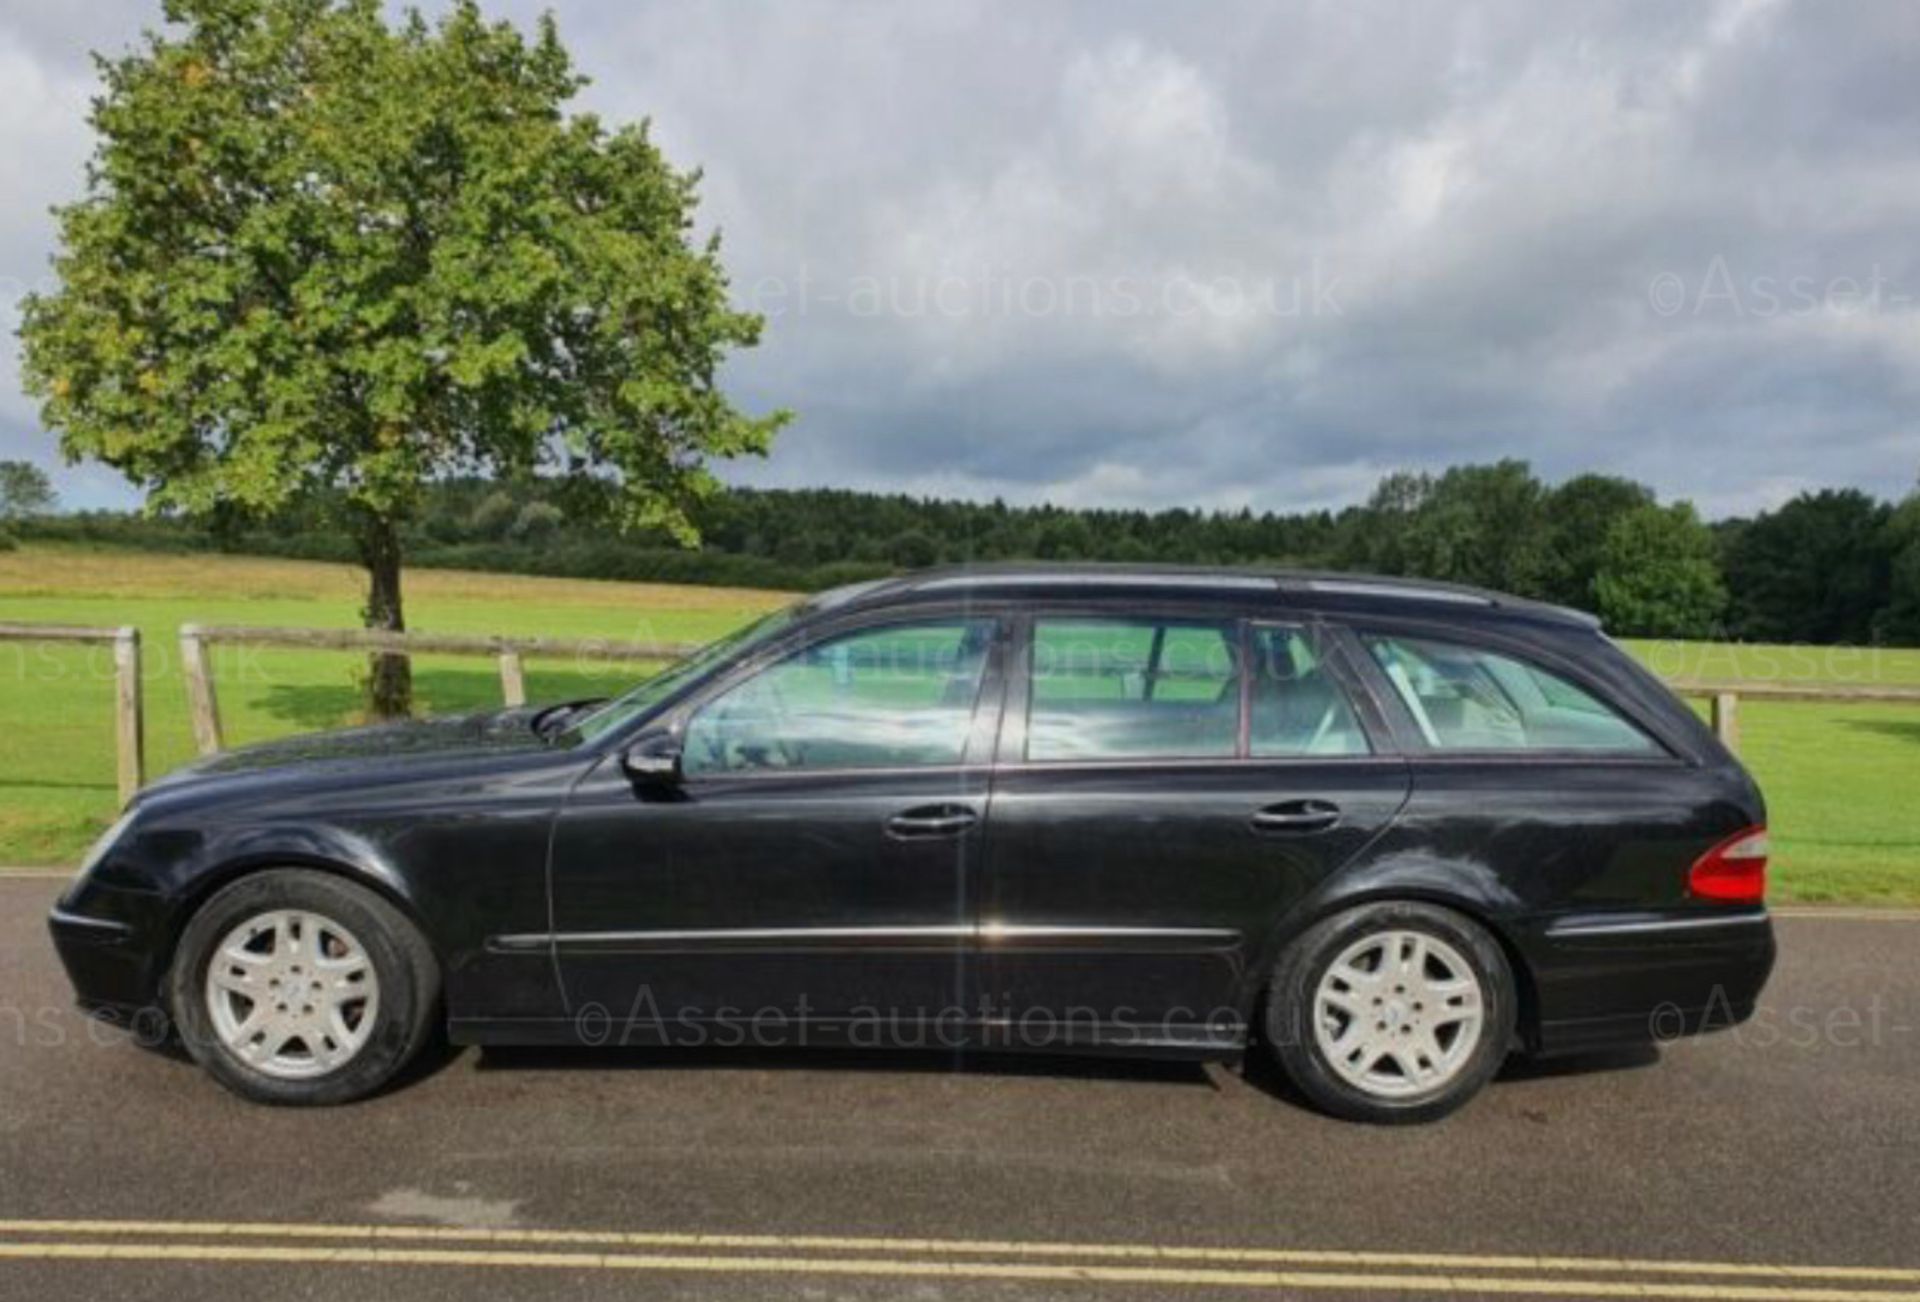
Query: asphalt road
1792	1144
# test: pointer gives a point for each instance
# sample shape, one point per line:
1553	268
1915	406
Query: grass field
1839	779
56	729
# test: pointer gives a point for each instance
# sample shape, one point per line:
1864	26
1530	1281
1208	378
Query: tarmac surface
1779	1162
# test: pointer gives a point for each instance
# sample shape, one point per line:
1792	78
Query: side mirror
653	762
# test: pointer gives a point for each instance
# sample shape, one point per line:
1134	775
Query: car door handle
932	820
1296	816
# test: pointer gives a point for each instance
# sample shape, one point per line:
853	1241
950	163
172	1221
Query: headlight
99	849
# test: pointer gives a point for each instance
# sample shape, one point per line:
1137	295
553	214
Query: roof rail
1086	574
1308	583
1364	585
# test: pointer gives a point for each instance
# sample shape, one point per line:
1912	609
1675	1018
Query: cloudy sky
1257	254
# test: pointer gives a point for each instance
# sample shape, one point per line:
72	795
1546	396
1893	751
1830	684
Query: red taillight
1734	871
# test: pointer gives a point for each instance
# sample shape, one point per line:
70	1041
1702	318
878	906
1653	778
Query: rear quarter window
1465	698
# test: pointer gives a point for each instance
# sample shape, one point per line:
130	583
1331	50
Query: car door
1168	787
810	866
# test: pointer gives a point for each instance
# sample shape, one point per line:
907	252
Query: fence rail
509	653
1725	698
1829	692
129	714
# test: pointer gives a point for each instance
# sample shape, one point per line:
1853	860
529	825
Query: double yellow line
948	1259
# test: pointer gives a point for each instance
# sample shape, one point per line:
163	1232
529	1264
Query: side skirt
1185	1043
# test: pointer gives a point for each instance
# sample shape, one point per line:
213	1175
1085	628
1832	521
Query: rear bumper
1616	979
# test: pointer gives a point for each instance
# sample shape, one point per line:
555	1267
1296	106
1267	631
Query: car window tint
900	696
1132	689
1466	698
1297	707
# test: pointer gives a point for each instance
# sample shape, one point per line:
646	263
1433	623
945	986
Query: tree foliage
1899	620
1658	574
324	257
25	491
1816	570
816	538
1580	514
1471	524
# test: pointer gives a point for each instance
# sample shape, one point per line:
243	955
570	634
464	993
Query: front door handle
932	820
1296	816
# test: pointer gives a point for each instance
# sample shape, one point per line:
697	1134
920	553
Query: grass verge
1839	778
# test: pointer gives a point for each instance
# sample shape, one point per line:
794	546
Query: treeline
1836	566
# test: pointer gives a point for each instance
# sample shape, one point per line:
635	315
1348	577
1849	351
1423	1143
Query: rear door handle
1296	816
932	820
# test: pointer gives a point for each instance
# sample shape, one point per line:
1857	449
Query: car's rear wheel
1392	1012
298	987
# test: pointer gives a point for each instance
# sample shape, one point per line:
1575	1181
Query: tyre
1391	1013
298	987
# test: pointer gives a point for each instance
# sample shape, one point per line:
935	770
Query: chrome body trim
990	934
99	930
1574	928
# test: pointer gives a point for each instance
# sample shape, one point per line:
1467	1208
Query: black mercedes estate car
1388	832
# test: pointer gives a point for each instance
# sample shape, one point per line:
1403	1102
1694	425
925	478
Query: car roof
1327	590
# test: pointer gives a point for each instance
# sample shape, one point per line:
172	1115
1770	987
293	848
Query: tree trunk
389	675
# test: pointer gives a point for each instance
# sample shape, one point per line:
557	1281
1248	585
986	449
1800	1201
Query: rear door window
1106	689
1470	698
1296	706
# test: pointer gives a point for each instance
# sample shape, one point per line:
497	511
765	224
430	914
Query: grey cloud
1499	194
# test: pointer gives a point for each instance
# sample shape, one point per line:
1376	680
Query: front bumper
106	940
1612	980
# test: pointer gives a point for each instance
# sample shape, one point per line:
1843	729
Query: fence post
1726	719
513	678
203	707
129	731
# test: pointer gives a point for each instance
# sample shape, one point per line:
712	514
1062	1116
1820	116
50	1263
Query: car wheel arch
1304	917
210	883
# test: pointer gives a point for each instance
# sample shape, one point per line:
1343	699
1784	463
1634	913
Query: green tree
1472	524
1816	570
1659	574
24	490
324	256
913	550
1065	537
494	516
1579	515
537	520
1899	620
1374	537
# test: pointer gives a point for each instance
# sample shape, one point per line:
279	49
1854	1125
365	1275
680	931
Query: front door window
901	696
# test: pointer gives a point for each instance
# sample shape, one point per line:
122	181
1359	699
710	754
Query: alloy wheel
1398	1013
292	994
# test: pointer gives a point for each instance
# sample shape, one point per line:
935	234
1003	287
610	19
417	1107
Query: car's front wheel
1392	1012
298	987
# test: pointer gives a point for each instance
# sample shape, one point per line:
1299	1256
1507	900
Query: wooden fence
1725	698
129	716
509	653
